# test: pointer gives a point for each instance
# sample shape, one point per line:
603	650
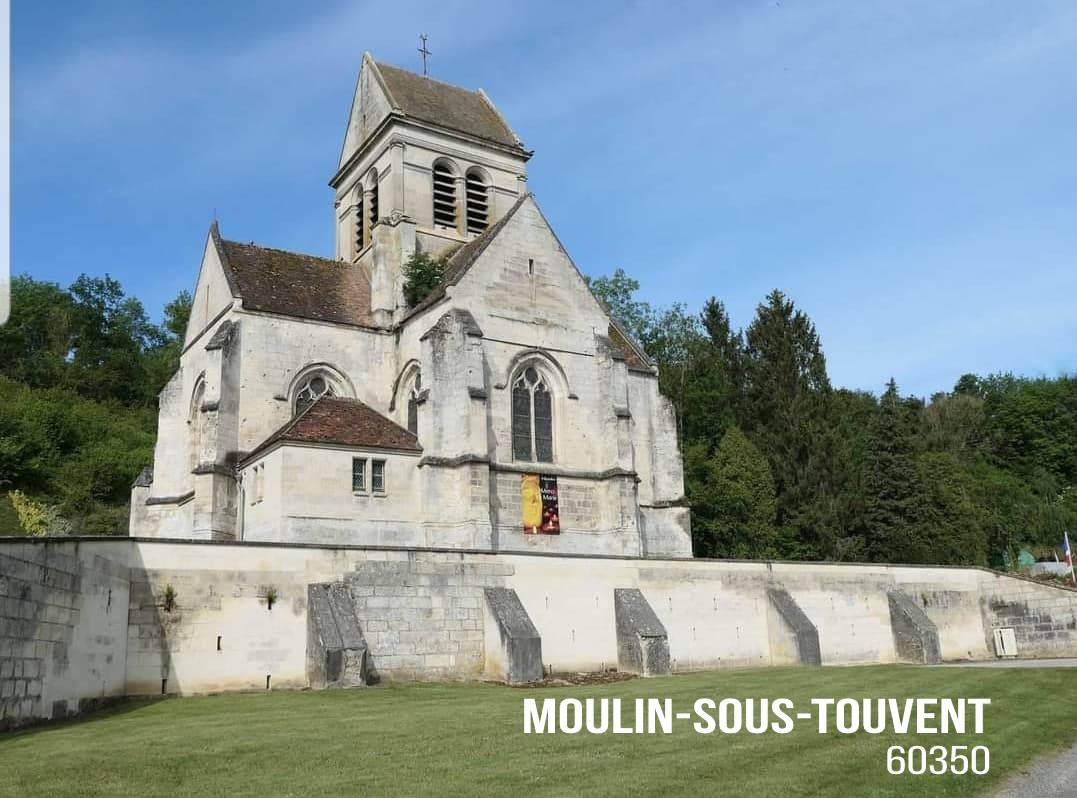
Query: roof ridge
278	249
381	64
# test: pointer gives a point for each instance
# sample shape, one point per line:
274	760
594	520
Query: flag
1069	554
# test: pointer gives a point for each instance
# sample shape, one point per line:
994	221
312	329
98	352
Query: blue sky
905	171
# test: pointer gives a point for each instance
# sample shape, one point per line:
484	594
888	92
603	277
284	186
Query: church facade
505	411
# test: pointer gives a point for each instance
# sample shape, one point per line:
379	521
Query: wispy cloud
903	170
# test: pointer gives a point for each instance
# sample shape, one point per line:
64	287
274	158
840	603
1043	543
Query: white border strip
5	160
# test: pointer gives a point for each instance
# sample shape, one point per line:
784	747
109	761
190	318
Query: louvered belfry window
444	196
372	211
360	242
532	418
478	211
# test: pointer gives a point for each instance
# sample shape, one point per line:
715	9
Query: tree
37	338
1032	425
893	512
733	500
162	361
711	392
111	333
422	274
953	532
784	413
618	293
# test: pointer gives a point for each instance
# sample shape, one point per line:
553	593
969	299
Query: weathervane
424	51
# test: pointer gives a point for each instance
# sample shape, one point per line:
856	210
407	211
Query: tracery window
311	391
532	418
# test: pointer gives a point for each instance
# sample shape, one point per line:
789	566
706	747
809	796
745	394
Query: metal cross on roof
424	51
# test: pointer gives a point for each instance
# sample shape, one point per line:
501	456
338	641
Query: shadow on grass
111	708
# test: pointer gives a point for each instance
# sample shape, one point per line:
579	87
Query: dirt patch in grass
572	679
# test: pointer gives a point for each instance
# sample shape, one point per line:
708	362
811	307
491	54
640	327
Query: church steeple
425	165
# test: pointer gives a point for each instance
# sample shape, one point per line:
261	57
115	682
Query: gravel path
1062	662
1055	777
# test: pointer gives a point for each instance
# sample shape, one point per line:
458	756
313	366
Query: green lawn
467	739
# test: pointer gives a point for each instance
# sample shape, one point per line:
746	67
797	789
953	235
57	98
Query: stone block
642	642
513	644
336	650
805	634
916	638
915	634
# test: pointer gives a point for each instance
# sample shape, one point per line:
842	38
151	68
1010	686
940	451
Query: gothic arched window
194	426
532	418
311	390
444	195
413	404
478	204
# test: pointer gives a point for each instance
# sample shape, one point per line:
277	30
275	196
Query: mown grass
466	739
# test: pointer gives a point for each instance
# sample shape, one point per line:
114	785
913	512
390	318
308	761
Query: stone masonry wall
63	626
1044	619
65	606
421	612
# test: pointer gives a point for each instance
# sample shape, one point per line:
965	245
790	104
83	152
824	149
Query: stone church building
506	411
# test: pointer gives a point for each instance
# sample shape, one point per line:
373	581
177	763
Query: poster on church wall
538	501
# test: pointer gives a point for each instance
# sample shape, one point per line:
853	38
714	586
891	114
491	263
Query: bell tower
425	166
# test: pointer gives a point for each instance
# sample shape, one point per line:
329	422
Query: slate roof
292	284
446	105
343	422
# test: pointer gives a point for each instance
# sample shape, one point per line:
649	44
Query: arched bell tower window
360	237
413	404
444	195
372	204
478	204
532	417
311	390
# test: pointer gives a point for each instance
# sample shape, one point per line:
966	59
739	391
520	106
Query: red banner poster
538	503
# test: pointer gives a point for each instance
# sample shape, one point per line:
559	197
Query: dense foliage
422	274
778	463
80	369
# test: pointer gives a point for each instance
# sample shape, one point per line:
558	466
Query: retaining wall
86	619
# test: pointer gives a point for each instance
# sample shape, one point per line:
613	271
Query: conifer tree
786	389
893	512
733	501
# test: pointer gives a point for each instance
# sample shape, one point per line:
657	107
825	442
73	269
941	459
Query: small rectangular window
358	475
377	477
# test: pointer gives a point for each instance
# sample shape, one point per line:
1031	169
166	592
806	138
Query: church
505	411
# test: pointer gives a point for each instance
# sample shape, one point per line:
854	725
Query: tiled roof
635	357
343	422
443	104
292	284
